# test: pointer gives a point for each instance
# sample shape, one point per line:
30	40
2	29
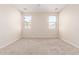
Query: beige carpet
39	47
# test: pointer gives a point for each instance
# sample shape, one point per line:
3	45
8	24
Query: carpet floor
39	47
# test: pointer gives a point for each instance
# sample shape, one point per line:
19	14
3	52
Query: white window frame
50	28
29	23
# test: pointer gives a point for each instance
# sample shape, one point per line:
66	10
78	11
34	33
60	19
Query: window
27	22
52	23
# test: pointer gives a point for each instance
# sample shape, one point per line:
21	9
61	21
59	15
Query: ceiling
40	7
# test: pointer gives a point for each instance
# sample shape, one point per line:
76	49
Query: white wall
10	25
40	25
69	24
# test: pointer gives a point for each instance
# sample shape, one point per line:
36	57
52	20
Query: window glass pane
27	18
52	18
27	22
52	25
28	25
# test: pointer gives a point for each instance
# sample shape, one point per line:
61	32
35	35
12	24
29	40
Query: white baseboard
71	43
45	37
10	42
39	37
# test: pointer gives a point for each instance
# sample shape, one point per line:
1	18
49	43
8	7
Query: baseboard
40	37
71	43
9	42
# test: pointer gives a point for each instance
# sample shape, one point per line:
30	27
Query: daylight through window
27	22
52	23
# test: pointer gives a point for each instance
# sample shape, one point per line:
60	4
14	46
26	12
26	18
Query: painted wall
40	25
69	24
10	25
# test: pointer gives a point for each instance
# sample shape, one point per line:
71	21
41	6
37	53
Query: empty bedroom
39	29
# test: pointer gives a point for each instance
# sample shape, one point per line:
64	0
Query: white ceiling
40	7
